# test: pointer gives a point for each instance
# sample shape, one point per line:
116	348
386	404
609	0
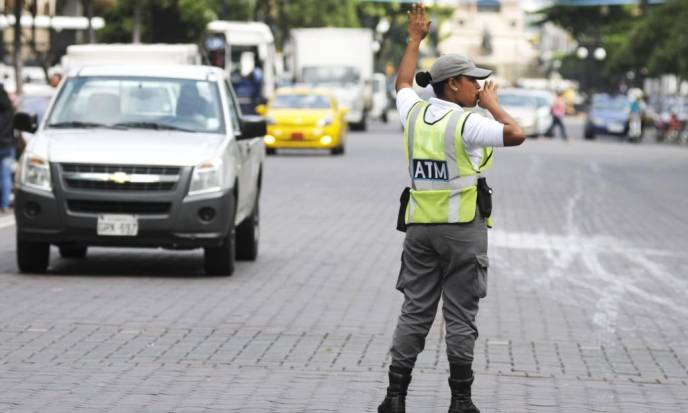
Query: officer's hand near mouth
445	213
487	99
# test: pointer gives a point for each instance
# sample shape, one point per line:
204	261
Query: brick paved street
586	307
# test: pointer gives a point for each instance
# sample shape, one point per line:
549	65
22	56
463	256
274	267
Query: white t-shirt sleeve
406	98
482	132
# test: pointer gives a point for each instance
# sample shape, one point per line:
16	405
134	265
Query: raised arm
513	134
418	27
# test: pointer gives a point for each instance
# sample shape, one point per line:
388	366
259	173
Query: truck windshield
330	76
139	102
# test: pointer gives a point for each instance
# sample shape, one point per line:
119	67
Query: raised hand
418	24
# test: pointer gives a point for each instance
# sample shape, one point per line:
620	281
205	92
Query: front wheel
32	257
248	235
338	150
220	260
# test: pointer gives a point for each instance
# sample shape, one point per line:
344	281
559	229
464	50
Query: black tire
589	133
220	260
270	151
73	251
360	126
32	257
338	150
248	236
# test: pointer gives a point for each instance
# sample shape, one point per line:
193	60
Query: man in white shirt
445	249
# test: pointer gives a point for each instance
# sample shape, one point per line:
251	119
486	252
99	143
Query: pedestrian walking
7	148
635	122
447	212
558	111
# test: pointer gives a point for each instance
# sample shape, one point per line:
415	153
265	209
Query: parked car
140	156
608	114
304	118
530	108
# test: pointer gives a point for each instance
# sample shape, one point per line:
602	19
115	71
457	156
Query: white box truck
340	60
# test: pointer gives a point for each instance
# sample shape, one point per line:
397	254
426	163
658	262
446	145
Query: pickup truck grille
109	207
120	177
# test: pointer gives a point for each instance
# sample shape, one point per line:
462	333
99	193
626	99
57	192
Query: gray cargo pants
448	261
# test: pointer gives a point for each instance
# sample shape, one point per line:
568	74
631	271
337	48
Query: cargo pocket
482	263
401	281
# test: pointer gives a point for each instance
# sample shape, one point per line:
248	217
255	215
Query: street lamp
600	54
382	26
582	52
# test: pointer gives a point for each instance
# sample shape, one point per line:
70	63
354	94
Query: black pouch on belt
484	198
403	202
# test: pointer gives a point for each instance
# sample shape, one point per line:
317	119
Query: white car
530	108
141	156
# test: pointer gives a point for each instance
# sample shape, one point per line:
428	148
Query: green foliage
162	21
649	40
659	43
185	20
236	10
584	23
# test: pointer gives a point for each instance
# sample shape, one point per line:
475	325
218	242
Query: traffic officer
448	211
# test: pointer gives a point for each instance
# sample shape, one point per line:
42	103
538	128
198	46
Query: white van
246	51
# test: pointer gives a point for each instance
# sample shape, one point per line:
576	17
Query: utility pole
16	53
89	16
136	38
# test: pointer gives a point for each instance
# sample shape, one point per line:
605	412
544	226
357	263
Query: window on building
488	5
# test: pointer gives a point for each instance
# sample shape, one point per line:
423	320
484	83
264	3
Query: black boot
395	401
461	396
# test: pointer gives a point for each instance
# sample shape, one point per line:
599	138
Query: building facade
494	34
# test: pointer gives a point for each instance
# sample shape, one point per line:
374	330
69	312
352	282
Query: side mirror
252	127
261	110
25	122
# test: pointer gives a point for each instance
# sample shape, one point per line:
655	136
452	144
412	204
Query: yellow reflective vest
444	181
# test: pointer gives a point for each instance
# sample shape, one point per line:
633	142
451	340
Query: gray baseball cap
452	65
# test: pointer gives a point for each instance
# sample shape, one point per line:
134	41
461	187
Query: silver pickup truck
141	156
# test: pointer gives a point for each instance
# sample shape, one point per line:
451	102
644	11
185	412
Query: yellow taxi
304	118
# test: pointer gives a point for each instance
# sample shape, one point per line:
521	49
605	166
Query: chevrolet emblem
119	178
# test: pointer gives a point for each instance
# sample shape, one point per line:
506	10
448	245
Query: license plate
118	225
297	136
615	127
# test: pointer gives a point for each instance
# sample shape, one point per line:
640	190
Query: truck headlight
35	172
206	177
325	121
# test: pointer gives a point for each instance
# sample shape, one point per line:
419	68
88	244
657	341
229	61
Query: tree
592	27
657	44
163	21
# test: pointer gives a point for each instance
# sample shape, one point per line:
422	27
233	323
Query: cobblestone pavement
586	307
